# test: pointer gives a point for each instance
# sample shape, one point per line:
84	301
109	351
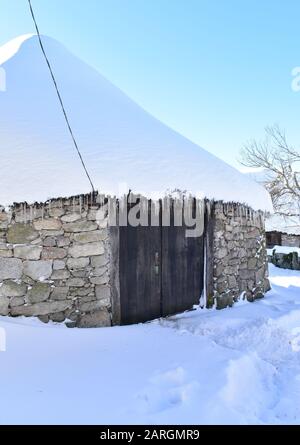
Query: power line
59	95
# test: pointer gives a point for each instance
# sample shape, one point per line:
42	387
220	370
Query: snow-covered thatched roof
120	142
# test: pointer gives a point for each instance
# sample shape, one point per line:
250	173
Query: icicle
80	204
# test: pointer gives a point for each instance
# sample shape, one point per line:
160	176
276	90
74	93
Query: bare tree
281	163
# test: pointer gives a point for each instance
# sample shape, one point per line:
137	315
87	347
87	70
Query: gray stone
44	308
56	212
6	253
99	261
44	318
62	241
91	306
58	317
85	250
21	234
52	253
78	263
47	224
58	264
221	253
28	252
80	226
50	241
38	293
59	293
71	217
16	301
80	292
62	274
99	280
260	275
52	233
38	270
252	263
99	271
12	289
267	285
90	237
232	283
224	301
4	305
80	273
10	268
102	292
75	282
99	318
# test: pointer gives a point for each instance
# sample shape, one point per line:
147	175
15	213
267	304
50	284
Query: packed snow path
238	365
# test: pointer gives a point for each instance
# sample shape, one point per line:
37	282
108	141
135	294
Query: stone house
282	231
62	259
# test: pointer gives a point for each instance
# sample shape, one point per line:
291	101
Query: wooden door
160	272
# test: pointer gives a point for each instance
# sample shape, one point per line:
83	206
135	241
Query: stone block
21	234
16	301
28	252
38	293
78	263
47	224
59	264
62	274
99	261
53	253
62	241
12	289
80	226
96	319
71	217
43	308
38	270
86	250
102	291
90	237
59	293
4	305
49	241
10	268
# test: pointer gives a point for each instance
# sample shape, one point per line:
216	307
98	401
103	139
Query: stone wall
285	260
290	240
54	262
59	260
239	255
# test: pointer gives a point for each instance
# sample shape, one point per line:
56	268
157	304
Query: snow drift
120	142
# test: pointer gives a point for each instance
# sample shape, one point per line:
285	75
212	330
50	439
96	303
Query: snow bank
236	366
284	249
120	142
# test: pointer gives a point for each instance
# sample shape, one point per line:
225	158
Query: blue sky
217	71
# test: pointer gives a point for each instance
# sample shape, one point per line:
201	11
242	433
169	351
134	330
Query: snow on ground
284	249
239	365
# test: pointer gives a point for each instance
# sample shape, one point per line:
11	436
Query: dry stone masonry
59	260
239	255
54	262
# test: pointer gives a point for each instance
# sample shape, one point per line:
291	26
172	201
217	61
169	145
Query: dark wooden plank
182	269
140	285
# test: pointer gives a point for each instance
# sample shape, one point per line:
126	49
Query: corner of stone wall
54	262
240	268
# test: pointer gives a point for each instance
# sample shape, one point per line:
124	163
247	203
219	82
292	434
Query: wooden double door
160	271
